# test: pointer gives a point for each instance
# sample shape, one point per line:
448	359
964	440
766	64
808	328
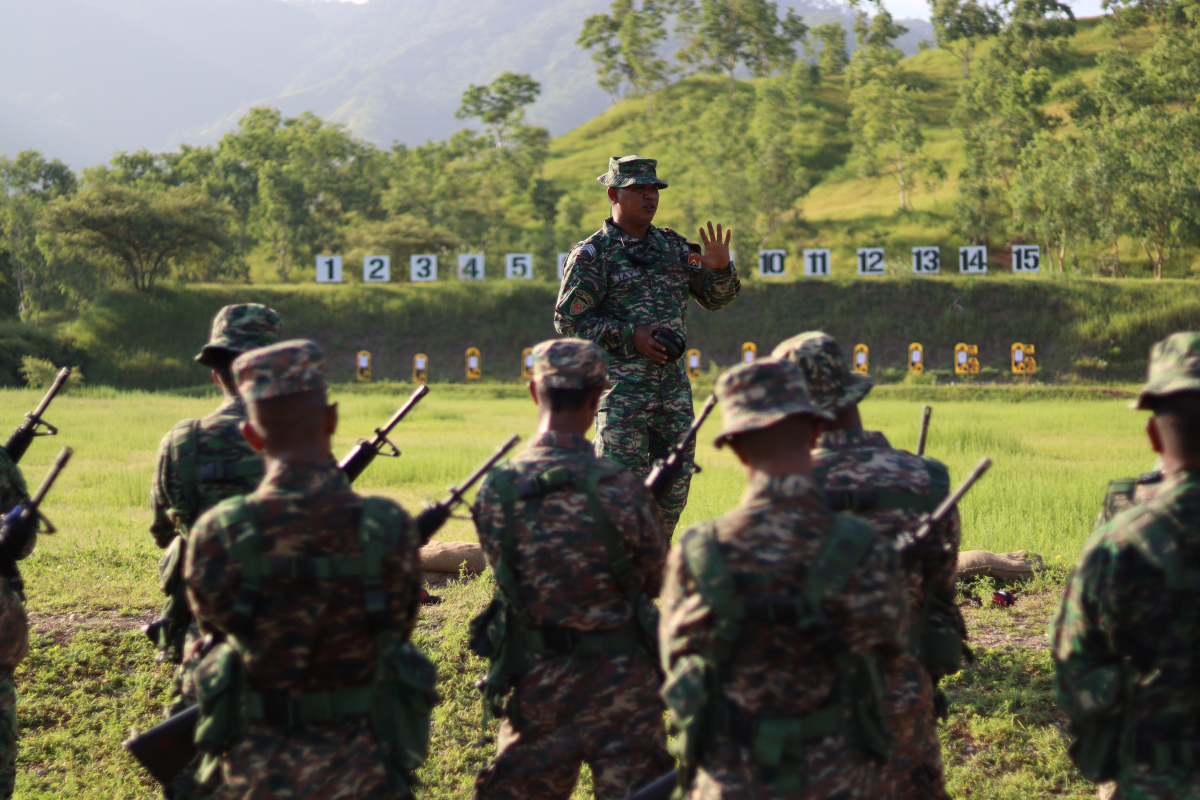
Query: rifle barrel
59	463
59	380
413	399
950	502
924	430
457	492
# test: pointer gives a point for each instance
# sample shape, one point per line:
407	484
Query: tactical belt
302	709
554	640
1166	755
228	471
767	736
871	500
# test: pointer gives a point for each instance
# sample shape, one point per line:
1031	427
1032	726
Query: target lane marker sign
816	263
772	263
470	266
362	366
329	269
562	263
916	358
377	269
870	261
518	266
926	260
1026	258
972	260
420	368
422	268
861	355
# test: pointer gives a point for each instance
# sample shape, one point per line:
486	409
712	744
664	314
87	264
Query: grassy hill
1083	329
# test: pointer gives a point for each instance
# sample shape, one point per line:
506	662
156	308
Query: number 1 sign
422	268
329	269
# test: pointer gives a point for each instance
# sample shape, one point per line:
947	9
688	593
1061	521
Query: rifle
22	435
22	521
365	451
662	787
167	748
436	514
667	471
924	430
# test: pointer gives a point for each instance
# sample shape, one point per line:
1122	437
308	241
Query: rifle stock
23	435
367	450
666	472
167	748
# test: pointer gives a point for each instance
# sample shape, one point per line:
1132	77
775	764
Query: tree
544	195
886	117
959	25
935	176
1174	60
625	44
145	231
833	57
1036	30
28	184
723	34
501	104
876	54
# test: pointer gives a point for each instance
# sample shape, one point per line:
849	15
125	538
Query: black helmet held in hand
671	341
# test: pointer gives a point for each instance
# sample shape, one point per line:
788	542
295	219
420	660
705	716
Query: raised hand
716	247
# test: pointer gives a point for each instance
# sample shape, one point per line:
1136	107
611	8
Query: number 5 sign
518	266
422	268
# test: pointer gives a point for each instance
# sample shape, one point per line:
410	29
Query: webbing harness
194	469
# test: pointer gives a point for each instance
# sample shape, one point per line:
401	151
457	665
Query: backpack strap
939	480
618	561
714	581
845	547
506	577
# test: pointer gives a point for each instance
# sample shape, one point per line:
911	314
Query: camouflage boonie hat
241	327
758	394
832	385
570	364
631	170
1174	367
290	367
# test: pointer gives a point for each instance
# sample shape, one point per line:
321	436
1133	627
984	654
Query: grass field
90	675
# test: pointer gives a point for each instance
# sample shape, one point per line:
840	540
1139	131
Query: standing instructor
626	288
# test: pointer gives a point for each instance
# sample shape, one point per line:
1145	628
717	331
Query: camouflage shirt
178	501
613	283
852	466
1125	493
309	634
767	541
1132	600
562	567
14	627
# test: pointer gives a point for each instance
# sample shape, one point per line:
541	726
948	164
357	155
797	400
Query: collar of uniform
847	439
234	406
769	487
561	440
1190	477
289	477
611	229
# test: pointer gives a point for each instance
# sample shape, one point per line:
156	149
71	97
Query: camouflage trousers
601	710
831	769
638	423
186	785
1142	782
8	734
914	771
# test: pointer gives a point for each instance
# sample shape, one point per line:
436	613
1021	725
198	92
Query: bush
39	373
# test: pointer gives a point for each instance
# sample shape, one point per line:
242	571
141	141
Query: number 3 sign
422	268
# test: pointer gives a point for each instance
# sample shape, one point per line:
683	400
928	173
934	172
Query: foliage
833	57
959	26
501	104
39	373
721	34
626	44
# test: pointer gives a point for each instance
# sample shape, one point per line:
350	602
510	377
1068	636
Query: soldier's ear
533	393
612	195
253	437
1156	442
331	419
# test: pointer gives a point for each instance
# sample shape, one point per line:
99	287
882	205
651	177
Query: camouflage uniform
303	636
1125	493
859	471
807	646
579	699
613	283
14	631
1125	642
200	463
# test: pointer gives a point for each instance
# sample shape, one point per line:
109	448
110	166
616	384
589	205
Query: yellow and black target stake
362	366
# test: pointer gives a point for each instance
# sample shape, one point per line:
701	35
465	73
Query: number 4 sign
1027	258
329	269
518	266
470	267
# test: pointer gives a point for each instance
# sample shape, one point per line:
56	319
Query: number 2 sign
422	268
329	269
377	269
518	266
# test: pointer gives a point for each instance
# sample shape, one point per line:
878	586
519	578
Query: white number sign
420	363
1027	258
693	361
422	268
472	362
377	269
771	262
470	266
529	361
916	356
364	361
972	260
870	261
816	263
927	261
518	266
562	263
329	269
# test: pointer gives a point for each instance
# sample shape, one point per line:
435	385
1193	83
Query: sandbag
452	556
1020	565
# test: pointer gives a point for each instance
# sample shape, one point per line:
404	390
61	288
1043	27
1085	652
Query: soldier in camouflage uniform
1125	493
200	463
619	286
577	549
306	593
1126	642
860	472
779	618
14	629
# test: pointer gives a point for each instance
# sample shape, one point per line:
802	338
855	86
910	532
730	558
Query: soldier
307	595
14	626
626	288
1125	640
778	618
577	550
860	472
200	463
1125	493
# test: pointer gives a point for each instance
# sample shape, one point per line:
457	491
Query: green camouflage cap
1174	367
241	327
631	170
832	385
756	395
290	367
570	364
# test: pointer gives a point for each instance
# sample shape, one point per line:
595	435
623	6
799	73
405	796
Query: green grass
89	679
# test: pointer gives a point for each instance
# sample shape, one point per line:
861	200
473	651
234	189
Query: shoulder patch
581	301
585	251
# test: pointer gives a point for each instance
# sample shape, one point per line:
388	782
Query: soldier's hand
643	342
716	247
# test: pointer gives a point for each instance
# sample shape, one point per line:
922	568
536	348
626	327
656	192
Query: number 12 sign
972	260
870	261
422	268
329	269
